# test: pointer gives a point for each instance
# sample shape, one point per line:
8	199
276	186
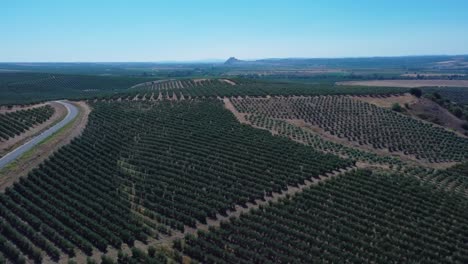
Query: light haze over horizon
144	31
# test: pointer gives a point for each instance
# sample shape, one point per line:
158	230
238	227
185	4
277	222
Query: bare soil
199	80
408	83
428	110
414	75
4	109
412	160
388	102
25	164
59	113
229	106
382	152
420	108
228	81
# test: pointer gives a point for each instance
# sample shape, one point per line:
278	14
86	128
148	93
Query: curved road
16	153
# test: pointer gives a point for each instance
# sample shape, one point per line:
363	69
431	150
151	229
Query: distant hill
403	62
232	60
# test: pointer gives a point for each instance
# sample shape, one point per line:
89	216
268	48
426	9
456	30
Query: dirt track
4	109
166	241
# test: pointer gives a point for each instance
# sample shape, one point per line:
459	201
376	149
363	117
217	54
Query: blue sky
101	30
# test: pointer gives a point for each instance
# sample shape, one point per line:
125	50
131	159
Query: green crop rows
244	87
26	88
316	142
358	218
15	123
365	124
141	168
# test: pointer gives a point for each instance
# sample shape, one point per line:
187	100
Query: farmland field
15	123
26	88
235	170
157	133
361	217
409	83
157	171
364	124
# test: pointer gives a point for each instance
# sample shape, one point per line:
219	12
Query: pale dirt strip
408	83
14	108
166	241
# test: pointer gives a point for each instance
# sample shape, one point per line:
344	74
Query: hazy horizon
222	60
185	31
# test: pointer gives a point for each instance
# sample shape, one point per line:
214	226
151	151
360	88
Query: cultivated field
361	216
215	170
365	125
408	83
12	124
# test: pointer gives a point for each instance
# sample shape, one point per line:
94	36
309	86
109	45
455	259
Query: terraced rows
213	88
14	123
166	85
160	166
215	166
299	134
365	124
453	179
360	218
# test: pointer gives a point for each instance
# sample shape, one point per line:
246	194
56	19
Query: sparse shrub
90	261
107	260
416	92
397	107
152	251
458	112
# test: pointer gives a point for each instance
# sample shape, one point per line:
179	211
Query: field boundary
32	158
165	241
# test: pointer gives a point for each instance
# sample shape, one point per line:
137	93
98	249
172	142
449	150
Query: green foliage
416	92
455	94
151	251
457	111
363	217
397	107
90	261
455	102
245	87
107	260
317	142
26	88
190	160
363	123
15	123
